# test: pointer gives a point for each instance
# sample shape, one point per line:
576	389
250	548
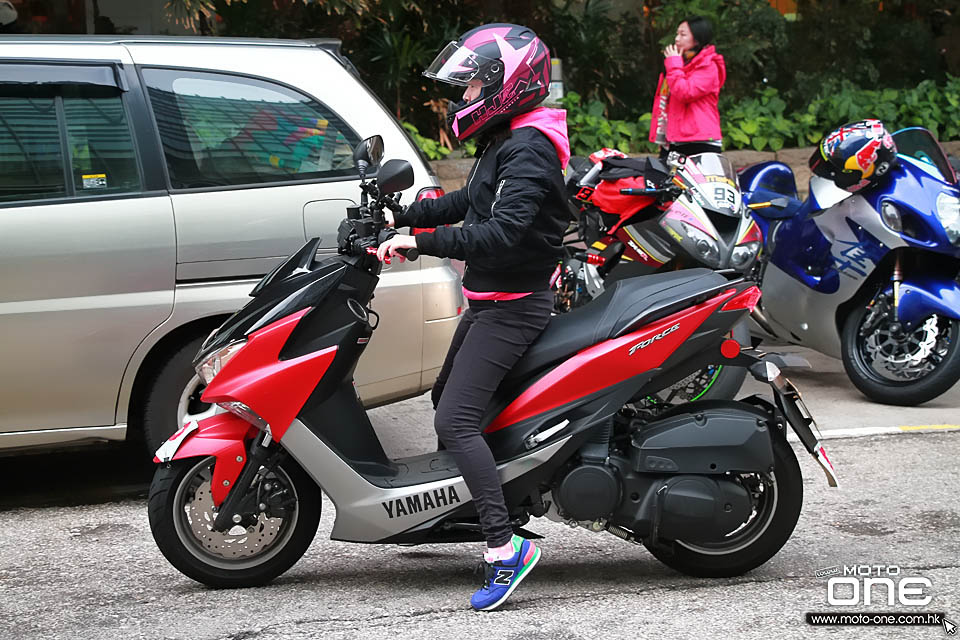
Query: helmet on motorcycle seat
856	155
512	66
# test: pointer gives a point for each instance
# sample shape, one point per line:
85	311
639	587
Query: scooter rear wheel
259	548
779	499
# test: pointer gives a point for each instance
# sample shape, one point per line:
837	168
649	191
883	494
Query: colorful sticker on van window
94	180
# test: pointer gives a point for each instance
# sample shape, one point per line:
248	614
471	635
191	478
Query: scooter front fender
223	436
921	297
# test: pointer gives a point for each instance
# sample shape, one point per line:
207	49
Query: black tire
160	408
883	390
171	495
758	542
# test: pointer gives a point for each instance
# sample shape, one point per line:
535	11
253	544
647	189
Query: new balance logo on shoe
442	497
503	577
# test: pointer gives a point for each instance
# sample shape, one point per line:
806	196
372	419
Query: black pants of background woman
490	339
689	148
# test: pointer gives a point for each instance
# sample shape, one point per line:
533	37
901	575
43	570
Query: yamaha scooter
711	489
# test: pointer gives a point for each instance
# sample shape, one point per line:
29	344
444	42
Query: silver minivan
145	186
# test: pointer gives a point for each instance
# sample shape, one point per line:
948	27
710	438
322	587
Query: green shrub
589	130
430	147
762	121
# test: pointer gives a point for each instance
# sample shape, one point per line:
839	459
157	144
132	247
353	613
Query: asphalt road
77	559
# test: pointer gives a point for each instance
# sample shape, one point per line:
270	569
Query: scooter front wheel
274	530
900	366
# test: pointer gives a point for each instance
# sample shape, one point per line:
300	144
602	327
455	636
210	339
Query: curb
861	432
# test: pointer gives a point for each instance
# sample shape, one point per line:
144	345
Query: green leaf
596	109
759	142
738	135
750	127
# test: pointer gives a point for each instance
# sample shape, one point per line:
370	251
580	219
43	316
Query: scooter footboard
223	436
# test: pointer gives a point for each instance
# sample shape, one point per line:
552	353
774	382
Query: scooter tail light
427	193
747	299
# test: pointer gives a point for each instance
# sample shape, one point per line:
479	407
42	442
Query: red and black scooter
712	489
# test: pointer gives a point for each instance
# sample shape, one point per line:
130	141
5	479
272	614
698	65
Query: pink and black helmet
512	65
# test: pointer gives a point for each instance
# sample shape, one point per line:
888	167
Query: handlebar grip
409	254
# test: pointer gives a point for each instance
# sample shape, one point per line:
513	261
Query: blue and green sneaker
503	576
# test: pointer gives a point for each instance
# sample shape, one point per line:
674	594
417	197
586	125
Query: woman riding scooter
514	213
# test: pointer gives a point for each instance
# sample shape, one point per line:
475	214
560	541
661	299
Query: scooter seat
625	304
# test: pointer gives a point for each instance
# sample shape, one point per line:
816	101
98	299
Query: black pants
491	338
689	148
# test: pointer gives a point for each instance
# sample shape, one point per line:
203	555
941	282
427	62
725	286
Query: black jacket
514	213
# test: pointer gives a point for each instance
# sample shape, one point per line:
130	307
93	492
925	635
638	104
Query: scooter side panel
276	389
607	364
368	513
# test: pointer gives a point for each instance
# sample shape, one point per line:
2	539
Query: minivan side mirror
368	153
395	175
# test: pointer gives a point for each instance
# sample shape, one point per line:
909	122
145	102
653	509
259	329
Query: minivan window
220	129
31	157
102	154
34	122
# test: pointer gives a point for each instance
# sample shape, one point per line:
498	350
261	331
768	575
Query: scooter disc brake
238	541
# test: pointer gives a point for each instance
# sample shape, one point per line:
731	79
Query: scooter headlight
948	210
216	361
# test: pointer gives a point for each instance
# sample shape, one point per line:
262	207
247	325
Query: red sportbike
711	489
638	216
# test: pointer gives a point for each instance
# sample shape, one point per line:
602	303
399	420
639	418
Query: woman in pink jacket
685	115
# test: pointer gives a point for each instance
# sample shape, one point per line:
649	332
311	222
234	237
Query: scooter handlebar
386	234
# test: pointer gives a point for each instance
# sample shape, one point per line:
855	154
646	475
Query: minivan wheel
174	397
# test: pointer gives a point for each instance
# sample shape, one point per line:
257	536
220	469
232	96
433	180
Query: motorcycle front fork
261	456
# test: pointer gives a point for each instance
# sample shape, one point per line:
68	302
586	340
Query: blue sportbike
870	277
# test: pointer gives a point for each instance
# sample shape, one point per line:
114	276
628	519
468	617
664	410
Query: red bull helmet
512	66
856	155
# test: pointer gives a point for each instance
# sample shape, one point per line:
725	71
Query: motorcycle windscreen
712	177
918	143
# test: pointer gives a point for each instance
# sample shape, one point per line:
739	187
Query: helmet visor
460	65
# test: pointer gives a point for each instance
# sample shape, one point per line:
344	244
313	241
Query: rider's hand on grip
393	243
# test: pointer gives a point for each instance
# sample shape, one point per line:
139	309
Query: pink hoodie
551	123
692	114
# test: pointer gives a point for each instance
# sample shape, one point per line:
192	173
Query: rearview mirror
395	175
369	153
